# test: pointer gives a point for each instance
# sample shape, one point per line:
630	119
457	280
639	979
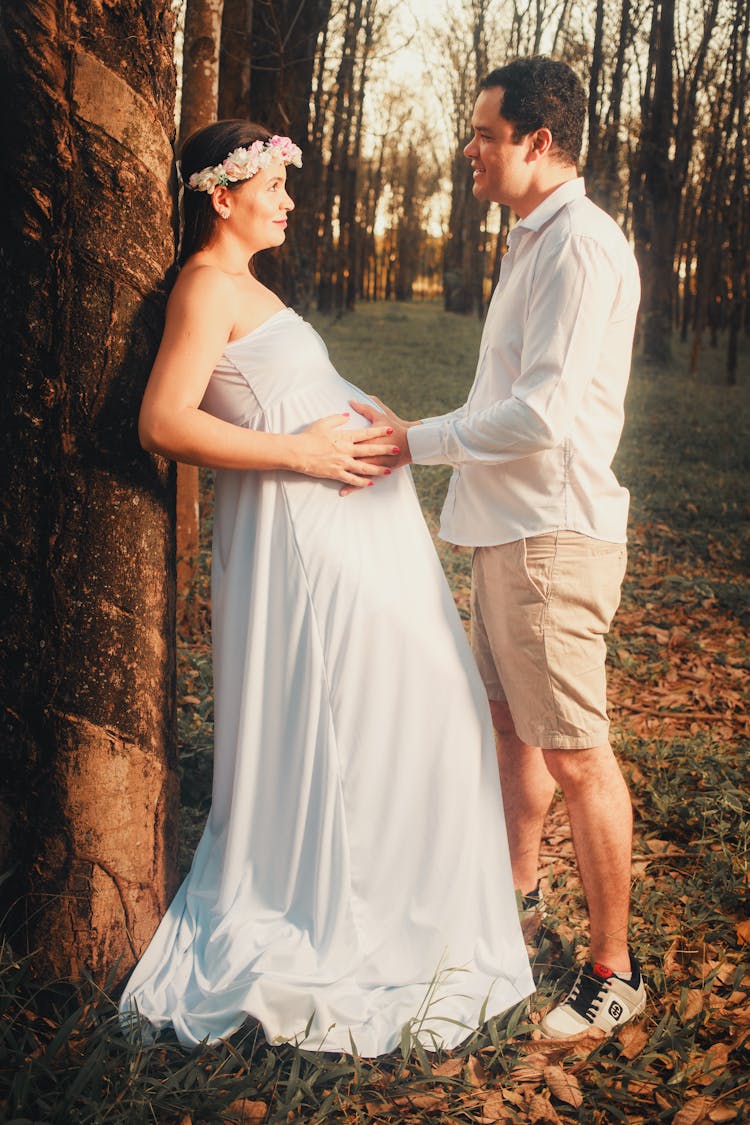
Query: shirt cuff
425	443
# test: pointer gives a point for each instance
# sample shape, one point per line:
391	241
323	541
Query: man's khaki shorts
541	608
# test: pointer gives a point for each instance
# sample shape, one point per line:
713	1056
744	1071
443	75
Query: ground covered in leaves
679	675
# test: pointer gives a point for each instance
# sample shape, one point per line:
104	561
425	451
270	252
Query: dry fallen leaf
427	1100
515	1097
563	1086
716	1057
531	1068
245	1111
638	1087
693	1003
722	1112
693	1111
494	1108
448	1069
683	955
582	1044
743	932
633	1039
476	1075
540	1110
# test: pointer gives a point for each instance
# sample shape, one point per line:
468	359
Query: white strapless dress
353	876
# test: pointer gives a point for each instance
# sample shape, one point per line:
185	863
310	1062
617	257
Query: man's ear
541	141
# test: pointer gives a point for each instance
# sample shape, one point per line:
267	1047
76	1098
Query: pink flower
243	163
289	152
233	170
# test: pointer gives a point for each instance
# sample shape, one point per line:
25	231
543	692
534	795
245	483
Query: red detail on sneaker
603	971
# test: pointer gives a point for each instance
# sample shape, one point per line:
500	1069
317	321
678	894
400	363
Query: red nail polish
387	472
389	430
395	449
370	483
346	413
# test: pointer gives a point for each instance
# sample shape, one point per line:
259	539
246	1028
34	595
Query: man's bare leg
601	821
528	789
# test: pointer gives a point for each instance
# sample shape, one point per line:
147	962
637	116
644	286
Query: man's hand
398	427
387	417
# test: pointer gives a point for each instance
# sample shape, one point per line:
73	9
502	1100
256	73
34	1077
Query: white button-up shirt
533	445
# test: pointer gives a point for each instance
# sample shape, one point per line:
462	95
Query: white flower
243	163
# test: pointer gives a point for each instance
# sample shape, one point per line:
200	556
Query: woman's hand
398	427
326	450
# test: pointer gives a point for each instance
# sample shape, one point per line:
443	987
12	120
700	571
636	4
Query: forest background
379	95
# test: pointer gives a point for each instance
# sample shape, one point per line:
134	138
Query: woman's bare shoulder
203	289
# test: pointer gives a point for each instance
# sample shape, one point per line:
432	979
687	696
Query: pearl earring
224	213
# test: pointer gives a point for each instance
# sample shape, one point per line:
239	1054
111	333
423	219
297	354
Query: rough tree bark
340	127
661	193
88	809
200	97
593	155
234	61
465	51
737	209
284	38
663	161
609	191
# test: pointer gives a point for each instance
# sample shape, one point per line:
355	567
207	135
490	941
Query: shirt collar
566	193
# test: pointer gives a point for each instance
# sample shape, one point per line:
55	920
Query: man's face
502	170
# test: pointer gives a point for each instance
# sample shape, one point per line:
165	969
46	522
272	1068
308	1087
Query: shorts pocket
537	564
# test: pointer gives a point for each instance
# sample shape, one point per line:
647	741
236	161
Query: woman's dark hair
206	148
541	92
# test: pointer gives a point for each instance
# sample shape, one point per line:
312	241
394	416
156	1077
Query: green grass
684	456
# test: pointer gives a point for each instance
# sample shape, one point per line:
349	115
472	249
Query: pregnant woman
353	875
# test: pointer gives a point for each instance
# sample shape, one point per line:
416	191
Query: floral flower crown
243	163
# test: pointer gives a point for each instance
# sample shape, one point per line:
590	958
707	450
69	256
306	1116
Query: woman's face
260	206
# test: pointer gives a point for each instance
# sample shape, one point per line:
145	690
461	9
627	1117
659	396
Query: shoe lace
588	993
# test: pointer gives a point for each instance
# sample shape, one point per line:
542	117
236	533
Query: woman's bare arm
200	318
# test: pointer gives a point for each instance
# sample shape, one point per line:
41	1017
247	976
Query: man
534	493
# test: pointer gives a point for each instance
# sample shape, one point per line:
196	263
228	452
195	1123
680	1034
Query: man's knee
580	769
501	717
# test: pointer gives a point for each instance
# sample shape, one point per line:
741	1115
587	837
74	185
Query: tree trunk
667	142
88	812
200	65
200	96
234	59
737	210
661	197
339	139
610	189
592	169
465	49
284	39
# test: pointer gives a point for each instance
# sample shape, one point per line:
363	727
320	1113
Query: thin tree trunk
200	95
88	812
592	169
609	190
234	58
738	207
200	65
285	34
661	196
338	144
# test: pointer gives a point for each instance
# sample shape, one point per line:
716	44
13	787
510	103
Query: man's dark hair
541	92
